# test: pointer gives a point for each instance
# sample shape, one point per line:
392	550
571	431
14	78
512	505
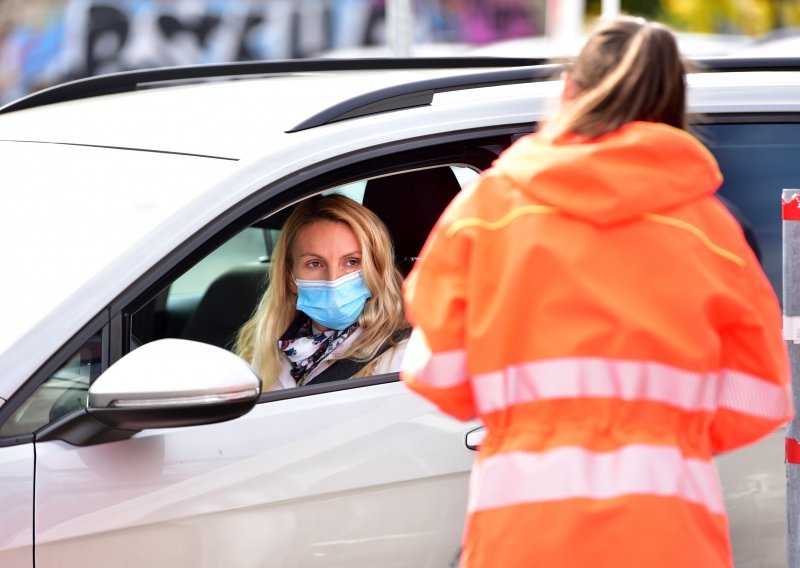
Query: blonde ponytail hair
628	70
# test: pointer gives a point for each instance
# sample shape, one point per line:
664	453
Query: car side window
65	391
176	311
250	245
213	299
757	160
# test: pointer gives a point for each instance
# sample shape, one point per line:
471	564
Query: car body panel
16	514
737	92
231	119
308	481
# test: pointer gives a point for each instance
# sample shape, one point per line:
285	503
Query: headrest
410	203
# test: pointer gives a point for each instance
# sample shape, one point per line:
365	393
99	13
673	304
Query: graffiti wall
43	42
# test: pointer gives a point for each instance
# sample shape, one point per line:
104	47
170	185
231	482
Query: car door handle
475	437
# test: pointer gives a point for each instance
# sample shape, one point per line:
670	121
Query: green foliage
712	16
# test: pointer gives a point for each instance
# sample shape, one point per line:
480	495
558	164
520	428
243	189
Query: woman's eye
314	264
352	262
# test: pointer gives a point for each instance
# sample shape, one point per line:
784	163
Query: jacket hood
643	167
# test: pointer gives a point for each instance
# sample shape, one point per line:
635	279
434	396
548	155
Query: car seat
409	204
226	305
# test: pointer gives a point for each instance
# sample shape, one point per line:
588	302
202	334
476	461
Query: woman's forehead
326	237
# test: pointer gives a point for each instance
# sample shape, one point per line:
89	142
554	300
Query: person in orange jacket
597	307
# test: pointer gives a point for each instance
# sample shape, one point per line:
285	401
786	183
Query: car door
16	514
366	476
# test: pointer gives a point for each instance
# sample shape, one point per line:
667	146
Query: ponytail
630	69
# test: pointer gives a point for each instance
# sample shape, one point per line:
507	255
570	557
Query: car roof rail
126	81
733	63
506	70
420	93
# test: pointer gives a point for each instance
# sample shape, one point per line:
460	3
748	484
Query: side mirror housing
163	384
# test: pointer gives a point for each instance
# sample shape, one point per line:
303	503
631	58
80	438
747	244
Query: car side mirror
162	384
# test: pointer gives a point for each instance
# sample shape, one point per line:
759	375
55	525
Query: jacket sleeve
754	395
435	362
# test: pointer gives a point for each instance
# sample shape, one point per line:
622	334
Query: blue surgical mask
333	303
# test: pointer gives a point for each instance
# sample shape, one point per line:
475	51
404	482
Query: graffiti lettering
78	38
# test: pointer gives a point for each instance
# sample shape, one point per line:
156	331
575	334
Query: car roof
225	119
105	186
237	116
244	111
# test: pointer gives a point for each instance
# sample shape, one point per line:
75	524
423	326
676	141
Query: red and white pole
791	332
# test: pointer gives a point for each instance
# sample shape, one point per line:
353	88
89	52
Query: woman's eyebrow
318	255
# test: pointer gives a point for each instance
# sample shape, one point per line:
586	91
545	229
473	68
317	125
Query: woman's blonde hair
629	69
382	316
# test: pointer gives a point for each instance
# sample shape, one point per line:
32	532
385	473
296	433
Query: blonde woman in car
333	308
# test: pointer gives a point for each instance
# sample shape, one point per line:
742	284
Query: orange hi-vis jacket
599	309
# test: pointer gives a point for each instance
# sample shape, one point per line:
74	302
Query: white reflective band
791	328
439	370
629	381
518	478
750	395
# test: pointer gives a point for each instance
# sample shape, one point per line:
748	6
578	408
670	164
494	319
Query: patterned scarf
305	348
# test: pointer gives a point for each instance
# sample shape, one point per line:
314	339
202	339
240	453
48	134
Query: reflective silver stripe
439	370
517	478
630	381
750	395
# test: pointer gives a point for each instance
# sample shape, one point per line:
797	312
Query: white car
139	217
